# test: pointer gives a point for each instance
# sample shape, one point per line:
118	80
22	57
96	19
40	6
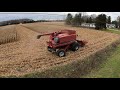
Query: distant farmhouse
110	25
92	25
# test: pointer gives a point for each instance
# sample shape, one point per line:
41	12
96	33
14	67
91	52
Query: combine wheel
61	53
75	46
49	49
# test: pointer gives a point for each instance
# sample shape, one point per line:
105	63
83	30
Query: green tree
90	20
109	20
77	20
116	23
69	19
118	19
100	21
87	20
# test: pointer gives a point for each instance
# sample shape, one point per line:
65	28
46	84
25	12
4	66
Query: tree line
18	21
100	20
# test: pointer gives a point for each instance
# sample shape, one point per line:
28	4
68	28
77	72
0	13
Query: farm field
29	55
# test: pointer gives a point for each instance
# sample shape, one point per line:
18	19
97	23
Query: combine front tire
61	53
49	49
75	46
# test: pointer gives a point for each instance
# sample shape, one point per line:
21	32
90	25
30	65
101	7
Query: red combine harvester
60	42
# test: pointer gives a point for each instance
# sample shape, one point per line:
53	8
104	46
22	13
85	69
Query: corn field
30	54
7	36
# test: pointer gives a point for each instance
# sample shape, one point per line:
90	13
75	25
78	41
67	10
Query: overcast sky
47	15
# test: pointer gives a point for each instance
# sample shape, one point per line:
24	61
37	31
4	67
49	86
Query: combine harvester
60	42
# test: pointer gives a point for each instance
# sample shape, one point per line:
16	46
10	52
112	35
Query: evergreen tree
118	19
116	23
87	21
77	20
69	19
101	21
90	20
109	20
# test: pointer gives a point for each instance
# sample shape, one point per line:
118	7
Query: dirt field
30	54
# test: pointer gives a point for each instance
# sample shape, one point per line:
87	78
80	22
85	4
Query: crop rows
7	36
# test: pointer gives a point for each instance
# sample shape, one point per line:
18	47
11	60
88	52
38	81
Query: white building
93	25
110	25
88	25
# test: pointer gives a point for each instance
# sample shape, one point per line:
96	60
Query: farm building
110	25
88	25
92	25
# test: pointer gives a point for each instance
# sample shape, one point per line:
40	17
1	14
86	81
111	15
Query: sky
48	15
